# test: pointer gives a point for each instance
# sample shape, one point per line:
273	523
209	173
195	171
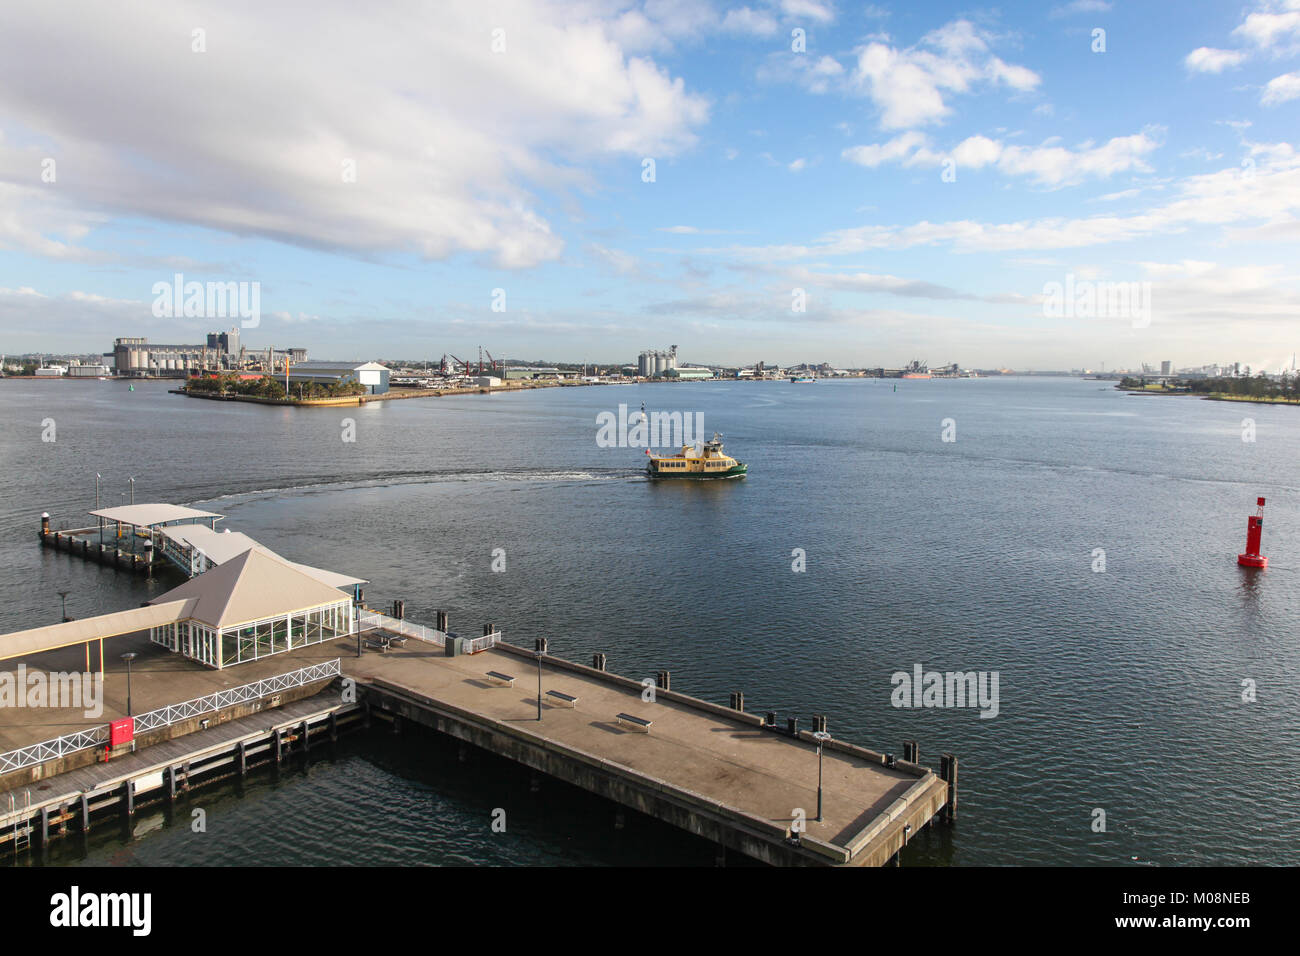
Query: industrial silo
661	363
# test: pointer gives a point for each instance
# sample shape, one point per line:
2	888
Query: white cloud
1081	6
898	149
746	20
811	9
1207	60
909	85
1280	89
1271	25
1047	165
1224	198
798	165
249	138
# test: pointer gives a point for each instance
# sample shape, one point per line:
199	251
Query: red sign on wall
121	731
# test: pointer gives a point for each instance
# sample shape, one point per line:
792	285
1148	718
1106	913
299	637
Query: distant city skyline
1058	186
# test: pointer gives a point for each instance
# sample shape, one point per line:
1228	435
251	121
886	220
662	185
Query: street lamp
129	656
821	737
132	480
98	476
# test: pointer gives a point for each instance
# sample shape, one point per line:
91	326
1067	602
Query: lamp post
132	480
129	656
98	476
821	737
539	684
64	596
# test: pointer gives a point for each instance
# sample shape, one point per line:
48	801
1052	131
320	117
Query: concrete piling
948	773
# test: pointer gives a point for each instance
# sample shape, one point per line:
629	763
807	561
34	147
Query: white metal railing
52	749
475	644
367	620
174	713
171	714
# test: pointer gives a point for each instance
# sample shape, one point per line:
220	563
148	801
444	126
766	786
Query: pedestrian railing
165	716
373	620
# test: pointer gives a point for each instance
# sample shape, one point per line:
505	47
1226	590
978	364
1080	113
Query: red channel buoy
1254	529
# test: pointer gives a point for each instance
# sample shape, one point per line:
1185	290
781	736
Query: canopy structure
37	640
195	548
148	516
251	606
140	523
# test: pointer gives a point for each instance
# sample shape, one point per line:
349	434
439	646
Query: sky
776	180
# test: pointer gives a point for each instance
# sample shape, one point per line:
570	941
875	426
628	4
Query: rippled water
1119	690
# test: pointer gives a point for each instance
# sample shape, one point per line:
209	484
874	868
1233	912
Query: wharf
710	769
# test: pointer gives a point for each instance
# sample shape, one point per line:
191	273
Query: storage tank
661	363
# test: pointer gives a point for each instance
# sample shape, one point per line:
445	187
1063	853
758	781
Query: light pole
821	737
98	476
132	480
129	656
64	596
539	684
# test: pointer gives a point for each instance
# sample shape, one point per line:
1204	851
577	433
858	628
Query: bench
563	698
397	640
635	721
377	643
503	678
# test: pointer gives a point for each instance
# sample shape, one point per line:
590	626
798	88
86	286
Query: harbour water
1120	690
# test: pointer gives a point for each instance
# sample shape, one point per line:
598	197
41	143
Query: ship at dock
704	464
917	369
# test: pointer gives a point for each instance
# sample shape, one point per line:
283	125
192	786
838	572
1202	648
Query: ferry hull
736	472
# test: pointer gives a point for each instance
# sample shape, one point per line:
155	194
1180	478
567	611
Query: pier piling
599	661
948	773
910	752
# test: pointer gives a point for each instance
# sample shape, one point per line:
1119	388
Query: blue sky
923	172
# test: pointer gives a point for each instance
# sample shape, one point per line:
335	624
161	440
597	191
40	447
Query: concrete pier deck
701	766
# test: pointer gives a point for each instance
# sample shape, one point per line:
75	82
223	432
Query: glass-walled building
251	607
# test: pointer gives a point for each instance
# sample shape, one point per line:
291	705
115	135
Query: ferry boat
707	463
802	379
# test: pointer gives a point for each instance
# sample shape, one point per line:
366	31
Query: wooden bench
635	721
377	643
503	678
563	698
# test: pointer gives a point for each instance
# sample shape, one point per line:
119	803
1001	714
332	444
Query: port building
372	375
